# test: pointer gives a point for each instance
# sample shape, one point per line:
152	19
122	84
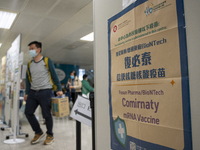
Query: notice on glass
149	96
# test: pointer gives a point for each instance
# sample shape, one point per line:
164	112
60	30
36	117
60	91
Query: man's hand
59	93
25	97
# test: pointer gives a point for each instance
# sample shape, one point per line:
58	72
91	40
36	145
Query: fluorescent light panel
89	37
6	19
0	44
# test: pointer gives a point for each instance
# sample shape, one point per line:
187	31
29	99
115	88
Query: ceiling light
0	44
6	19
89	37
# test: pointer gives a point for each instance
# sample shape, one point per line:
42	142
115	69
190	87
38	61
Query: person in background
74	86
40	80
86	88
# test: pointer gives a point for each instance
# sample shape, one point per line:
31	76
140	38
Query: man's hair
37	44
85	76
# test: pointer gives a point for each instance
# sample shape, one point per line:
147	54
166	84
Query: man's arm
88	87
55	78
78	85
28	86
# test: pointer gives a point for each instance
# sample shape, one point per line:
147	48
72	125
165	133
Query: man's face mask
32	53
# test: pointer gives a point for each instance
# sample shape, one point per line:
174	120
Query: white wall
192	11
103	10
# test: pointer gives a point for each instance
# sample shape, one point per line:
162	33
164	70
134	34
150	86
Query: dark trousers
42	98
74	96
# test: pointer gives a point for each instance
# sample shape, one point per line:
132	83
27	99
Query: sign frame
184	81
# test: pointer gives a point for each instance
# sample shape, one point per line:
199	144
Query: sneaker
37	138
49	140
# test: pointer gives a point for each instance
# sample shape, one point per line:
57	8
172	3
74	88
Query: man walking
41	79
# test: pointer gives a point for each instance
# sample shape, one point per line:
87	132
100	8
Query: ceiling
58	24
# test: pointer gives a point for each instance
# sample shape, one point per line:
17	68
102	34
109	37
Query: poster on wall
2	77
148	77
12	83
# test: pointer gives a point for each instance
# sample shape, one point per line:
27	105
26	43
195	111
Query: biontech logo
148	11
115	28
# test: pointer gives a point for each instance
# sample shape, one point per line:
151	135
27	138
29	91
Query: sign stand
78	135
16	119
83	112
14	141
17	71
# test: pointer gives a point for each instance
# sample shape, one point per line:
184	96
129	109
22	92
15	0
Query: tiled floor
64	133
